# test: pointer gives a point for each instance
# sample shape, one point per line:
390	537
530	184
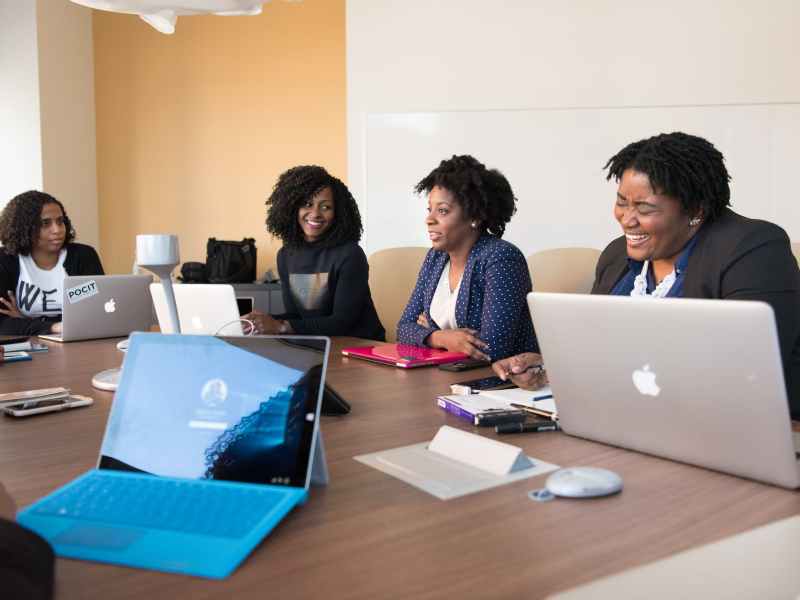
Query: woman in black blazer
682	240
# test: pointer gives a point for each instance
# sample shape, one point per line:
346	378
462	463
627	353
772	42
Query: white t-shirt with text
40	292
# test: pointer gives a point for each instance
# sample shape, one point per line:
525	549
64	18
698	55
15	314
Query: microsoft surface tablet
209	444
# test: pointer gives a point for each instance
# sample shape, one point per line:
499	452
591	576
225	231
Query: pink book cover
404	356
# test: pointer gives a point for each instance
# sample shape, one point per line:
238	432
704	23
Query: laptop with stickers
210	443
103	306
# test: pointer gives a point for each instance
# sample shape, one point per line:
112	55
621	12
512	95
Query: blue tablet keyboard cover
195	527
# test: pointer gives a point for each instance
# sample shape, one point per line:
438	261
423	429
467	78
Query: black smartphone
13	339
464	365
486	383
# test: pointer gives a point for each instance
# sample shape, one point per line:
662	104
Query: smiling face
316	215
449	228
655	225
52	230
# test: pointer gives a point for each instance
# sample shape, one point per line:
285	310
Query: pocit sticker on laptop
81	292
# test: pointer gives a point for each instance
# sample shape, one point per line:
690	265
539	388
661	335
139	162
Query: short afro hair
484	194
20	222
684	166
296	186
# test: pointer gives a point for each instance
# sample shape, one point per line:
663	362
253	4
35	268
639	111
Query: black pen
526	427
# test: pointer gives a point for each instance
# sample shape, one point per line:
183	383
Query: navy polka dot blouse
492	298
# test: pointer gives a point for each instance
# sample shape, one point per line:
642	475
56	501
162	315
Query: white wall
47	107
66	83
20	134
548	91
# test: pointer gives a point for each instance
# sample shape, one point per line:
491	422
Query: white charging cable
247	331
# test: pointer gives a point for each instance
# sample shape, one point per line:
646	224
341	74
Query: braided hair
300	184
484	194
684	166
21	221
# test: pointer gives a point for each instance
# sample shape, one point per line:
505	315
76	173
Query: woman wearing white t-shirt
37	253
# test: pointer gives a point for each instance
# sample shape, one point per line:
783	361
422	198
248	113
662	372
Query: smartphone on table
38	407
465	365
484	384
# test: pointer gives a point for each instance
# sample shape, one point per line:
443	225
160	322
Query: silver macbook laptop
698	381
102	306
203	308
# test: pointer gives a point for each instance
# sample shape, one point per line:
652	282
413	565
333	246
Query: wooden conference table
368	535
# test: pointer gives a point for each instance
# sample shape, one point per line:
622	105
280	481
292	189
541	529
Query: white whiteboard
554	161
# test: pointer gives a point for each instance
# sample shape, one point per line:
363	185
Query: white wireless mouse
583	482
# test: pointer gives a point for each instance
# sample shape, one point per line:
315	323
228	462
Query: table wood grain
368	535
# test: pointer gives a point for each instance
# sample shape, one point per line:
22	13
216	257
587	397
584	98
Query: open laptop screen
201	407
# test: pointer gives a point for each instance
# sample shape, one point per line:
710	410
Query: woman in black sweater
37	253
324	272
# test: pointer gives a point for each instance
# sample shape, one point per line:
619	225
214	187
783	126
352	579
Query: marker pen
526	427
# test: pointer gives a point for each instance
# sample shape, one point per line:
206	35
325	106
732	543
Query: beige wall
66	98
193	129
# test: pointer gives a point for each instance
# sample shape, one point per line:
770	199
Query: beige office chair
796	251
392	276
569	270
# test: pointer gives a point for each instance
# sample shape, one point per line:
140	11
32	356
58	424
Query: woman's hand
8	306
263	323
56	327
423	321
525	370
460	340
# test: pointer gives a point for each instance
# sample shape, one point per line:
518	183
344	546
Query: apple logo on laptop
197	323
110	306
645	381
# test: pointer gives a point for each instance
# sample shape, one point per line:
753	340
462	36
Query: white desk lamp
158	253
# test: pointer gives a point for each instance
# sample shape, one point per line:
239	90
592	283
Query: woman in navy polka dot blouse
470	292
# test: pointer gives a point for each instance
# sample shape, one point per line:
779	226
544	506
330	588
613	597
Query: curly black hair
484	194
20	222
684	166
296	186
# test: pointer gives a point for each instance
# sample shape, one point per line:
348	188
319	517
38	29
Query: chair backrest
566	270
796	251
392	276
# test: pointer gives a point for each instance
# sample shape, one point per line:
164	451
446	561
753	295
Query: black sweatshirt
80	260
326	291
26	563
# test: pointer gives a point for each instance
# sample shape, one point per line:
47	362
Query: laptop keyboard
184	506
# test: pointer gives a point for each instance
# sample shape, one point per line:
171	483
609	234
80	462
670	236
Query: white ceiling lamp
162	14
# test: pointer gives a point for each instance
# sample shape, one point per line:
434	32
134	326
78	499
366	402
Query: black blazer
80	260
735	258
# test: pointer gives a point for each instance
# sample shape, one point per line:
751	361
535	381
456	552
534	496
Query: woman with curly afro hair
470	293
38	252
324	272
680	239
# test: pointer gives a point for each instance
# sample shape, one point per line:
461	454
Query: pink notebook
404	356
